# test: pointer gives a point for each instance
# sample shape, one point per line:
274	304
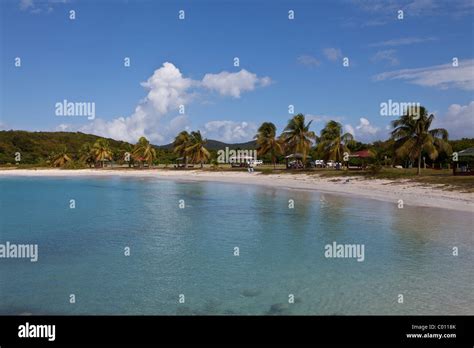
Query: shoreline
379	189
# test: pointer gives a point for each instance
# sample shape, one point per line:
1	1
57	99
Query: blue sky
190	62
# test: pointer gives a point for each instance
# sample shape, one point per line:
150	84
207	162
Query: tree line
411	139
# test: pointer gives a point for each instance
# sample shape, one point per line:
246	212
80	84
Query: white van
332	164
319	163
255	163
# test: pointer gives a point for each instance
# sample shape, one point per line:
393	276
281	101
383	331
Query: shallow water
190	251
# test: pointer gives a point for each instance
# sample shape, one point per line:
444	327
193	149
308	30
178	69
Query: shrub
375	168
74	165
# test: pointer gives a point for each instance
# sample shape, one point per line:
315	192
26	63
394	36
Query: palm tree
126	155
196	149
413	136
333	142
267	142
101	151
144	151
180	144
297	137
60	158
87	155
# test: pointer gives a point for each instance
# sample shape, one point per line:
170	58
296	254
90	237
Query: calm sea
192	251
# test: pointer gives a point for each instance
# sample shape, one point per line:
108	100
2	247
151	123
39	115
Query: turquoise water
190	251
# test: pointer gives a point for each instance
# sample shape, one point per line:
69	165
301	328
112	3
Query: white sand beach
381	189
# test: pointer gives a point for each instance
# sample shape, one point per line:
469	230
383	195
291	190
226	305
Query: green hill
36	147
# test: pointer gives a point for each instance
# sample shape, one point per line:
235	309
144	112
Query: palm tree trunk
419	165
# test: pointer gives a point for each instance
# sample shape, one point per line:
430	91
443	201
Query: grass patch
443	179
440	178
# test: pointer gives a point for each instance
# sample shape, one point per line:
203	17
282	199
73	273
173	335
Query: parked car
333	164
295	165
256	163
330	164
319	164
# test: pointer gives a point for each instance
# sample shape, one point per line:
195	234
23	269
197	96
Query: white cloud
364	131
43	6
332	53
323	119
442	76
230	131
349	129
402	41
419	7
375	5
156	116
167	90
458	121
385	11
413	8
319	121
308	60
26	4
386	55
374	23
233	84
177	124
365	127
